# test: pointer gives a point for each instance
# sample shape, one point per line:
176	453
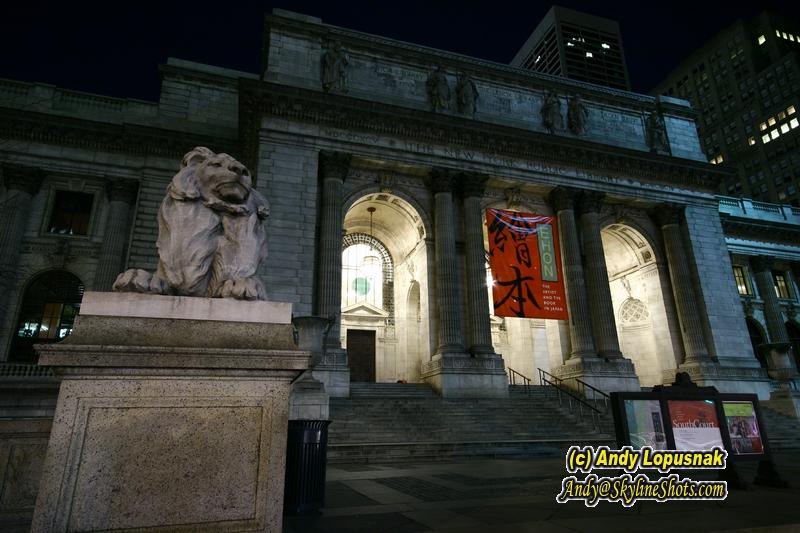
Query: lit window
781	115
762	126
791	37
48	312
781	287
790	110
778	33
751	141
785	128
362	276
761	39
774	134
570	44
771	121
604	45
589	54
765	139
785	36
793	123
742	281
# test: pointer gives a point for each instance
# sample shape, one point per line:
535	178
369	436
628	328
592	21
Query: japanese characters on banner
526	265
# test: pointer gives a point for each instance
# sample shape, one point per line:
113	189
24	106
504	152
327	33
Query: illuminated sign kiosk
684	416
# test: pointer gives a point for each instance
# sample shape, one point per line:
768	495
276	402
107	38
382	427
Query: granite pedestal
462	376
172	416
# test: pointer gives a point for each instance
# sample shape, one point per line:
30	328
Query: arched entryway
47	314
638	296
384	290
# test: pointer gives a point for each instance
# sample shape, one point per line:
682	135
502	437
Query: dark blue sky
114	48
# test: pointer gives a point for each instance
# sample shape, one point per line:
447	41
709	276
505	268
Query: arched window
756	339
794	337
367	273
48	311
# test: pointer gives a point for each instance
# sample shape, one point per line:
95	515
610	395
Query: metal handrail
513	376
584	407
543	373
598	394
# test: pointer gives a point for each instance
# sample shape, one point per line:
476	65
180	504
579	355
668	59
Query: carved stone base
334	374
462	376
157	437
615	375
731	379
785	402
779	364
308	399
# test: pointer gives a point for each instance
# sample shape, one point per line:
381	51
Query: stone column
333	170
597	287
580	324
22	184
121	194
777	352
669	218
762	272
479	328
449	331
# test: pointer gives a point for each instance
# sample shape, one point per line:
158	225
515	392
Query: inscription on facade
481	157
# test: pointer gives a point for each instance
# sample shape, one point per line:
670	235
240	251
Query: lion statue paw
243	289
138	280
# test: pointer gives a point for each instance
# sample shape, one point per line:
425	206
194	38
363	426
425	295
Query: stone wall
395	73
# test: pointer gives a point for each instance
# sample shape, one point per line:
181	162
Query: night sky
114	48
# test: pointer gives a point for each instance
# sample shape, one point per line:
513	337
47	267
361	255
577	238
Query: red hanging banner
526	265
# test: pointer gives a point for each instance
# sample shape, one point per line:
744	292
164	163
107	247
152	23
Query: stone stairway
409	422
783	432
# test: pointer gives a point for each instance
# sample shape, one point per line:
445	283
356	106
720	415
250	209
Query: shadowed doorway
361	354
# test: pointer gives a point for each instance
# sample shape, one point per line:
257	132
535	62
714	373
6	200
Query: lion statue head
210	233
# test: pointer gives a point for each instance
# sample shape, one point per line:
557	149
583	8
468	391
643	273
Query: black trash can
306	459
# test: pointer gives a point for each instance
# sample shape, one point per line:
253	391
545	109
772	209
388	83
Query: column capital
668	214
562	198
473	184
121	190
334	165
761	263
22	178
590	202
441	180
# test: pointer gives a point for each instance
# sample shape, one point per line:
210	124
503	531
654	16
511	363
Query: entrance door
361	354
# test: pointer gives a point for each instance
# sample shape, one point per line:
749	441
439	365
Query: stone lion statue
210	233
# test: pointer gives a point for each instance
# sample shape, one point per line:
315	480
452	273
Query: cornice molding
131	139
258	98
760	230
471	66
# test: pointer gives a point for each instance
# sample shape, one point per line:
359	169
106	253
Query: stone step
783	431
434	451
371	427
387	390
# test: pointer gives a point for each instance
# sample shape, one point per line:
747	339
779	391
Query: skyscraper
578	46
745	83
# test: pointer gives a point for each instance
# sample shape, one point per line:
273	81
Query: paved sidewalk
518	495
